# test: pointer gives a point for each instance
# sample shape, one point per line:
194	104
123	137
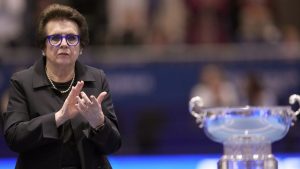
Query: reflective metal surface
245	132
261	123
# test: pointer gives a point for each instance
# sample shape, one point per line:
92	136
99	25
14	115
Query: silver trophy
245	132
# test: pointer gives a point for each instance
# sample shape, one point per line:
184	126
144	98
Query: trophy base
227	163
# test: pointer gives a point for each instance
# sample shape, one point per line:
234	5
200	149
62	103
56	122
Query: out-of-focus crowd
157	22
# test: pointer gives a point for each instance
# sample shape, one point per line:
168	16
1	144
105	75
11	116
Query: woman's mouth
63	54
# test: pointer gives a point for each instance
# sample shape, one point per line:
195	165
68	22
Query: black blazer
29	122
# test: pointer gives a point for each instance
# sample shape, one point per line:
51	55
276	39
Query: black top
70	156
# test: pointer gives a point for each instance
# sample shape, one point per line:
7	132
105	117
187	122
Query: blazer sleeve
20	131
107	138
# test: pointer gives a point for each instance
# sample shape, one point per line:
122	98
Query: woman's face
62	54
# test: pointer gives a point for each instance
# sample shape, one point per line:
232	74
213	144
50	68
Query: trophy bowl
245	132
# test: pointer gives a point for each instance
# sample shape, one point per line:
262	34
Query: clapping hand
90	108
69	109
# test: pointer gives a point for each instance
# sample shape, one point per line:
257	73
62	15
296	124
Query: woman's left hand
90	108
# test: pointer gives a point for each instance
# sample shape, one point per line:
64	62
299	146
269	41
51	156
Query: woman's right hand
69	109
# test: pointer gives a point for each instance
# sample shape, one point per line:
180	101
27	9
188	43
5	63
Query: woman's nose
64	42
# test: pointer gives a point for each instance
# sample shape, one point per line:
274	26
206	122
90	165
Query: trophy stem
247	154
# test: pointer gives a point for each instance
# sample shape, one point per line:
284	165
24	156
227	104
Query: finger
76	89
101	97
94	99
79	86
72	92
85	98
81	104
78	108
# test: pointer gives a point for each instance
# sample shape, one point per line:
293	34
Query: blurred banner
172	162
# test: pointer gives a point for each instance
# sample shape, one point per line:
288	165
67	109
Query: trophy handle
293	99
195	106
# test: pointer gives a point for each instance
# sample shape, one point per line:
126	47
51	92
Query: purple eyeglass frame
61	39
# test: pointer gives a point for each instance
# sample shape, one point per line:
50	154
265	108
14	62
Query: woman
60	112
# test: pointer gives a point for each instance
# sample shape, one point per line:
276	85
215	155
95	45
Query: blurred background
157	54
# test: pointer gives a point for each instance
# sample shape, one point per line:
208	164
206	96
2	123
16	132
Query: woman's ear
80	53
43	53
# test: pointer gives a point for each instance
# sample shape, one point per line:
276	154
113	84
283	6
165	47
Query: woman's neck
60	74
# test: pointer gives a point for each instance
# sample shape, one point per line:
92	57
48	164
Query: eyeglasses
56	39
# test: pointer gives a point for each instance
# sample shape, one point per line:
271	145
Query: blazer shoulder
23	75
96	72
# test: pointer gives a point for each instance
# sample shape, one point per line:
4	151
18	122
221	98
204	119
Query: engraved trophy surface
245	132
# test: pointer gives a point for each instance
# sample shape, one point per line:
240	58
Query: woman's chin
64	59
